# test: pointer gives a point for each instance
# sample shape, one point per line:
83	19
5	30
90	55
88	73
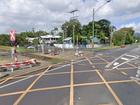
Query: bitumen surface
83	82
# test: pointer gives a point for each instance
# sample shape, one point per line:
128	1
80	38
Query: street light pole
94	11
73	35
111	35
93	28
63	39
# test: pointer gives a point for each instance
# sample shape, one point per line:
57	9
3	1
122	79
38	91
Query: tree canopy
123	36
102	30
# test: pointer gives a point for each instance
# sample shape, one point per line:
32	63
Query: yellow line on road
71	85
123	81
59	73
99	63
110	89
49	88
131	64
7	79
66	86
26	91
12	93
124	73
137	82
102	59
89	84
88	60
126	68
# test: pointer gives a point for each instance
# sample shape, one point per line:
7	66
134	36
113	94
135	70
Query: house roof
50	36
68	38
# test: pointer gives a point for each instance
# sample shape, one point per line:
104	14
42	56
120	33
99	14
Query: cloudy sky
23	15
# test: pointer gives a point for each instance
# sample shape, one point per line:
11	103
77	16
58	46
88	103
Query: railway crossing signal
12	36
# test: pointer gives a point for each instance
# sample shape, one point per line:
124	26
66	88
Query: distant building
95	40
48	39
30	39
68	43
68	40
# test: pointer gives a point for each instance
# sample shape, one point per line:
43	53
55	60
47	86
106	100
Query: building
49	39
30	39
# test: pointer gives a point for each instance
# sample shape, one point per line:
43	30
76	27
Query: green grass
55	60
20	49
105	48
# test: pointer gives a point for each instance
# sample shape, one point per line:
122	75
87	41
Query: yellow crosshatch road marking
66	86
122	81
99	63
109	88
103	59
59	73
137	82
88	60
71	85
124	73
26	91
131	65
127	68
7	79
12	93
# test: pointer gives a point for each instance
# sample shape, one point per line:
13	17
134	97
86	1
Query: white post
138	72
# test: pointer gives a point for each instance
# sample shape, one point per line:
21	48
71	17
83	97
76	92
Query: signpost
13	43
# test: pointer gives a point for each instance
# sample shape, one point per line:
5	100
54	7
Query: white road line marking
131	56
65	65
15	82
116	63
123	63
113	61
33	75
126	59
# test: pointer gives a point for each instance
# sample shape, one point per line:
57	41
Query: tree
101	29
123	36
4	39
68	27
104	29
71	25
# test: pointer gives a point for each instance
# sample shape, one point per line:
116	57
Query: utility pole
73	17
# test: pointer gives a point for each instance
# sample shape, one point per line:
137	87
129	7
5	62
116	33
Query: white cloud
23	15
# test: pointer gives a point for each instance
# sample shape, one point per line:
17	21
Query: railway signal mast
13	43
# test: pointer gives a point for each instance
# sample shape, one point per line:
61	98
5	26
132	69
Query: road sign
12	35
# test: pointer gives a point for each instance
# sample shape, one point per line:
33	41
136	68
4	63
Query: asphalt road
85	82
